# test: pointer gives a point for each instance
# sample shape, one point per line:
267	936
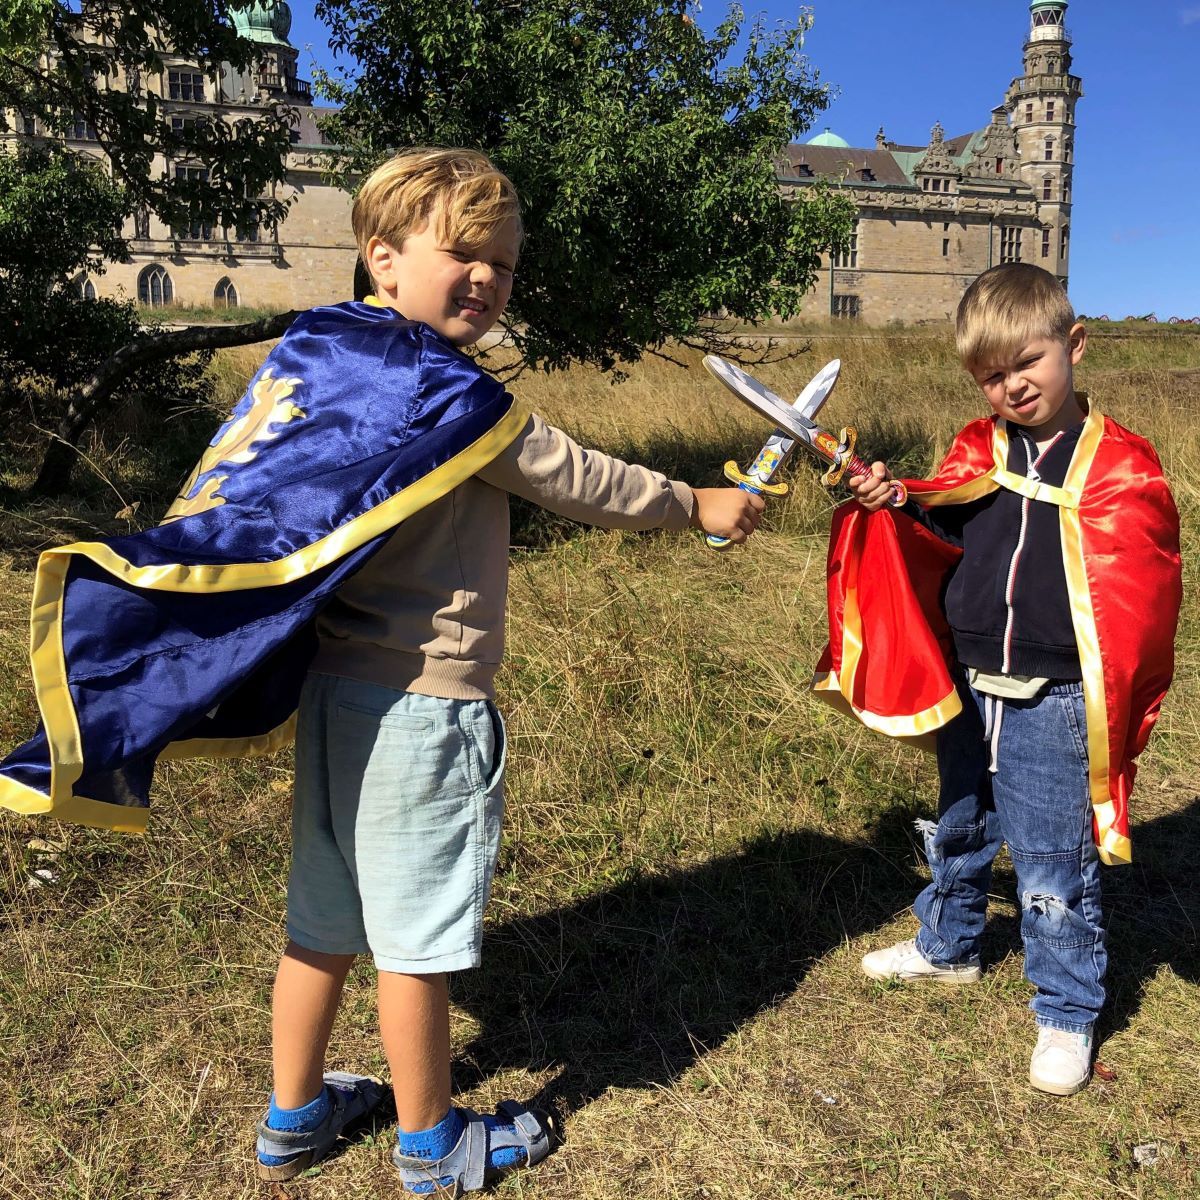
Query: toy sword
794	426
777	449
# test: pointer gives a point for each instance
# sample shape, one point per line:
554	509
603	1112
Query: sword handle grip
847	462
857	466
748	484
723	543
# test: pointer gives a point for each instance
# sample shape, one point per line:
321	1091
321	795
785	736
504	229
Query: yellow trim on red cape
1125	641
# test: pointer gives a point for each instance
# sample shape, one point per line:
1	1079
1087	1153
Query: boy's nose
483	272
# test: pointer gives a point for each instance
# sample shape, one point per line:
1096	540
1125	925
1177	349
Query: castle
930	218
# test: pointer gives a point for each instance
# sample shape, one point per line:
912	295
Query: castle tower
268	22
1041	108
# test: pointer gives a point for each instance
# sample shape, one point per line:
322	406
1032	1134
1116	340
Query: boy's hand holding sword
871	485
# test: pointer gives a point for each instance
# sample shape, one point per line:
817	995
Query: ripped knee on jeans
1050	919
928	831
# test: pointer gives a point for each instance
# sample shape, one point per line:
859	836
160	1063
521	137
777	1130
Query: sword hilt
748	482
845	461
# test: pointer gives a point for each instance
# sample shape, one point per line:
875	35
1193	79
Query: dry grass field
696	856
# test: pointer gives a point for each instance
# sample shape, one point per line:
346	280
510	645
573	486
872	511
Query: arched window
154	287
225	294
83	287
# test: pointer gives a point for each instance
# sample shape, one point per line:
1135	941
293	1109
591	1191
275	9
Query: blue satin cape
192	639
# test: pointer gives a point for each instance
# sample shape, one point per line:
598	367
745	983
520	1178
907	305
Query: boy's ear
1077	341
380	261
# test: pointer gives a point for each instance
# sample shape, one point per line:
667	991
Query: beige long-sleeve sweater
426	613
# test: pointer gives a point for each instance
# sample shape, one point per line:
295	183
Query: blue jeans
1037	801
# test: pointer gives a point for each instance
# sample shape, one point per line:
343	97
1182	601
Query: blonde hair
1005	309
472	196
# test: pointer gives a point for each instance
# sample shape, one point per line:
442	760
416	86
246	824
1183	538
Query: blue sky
1135	244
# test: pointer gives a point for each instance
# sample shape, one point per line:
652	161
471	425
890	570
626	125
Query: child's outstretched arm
727	512
872	490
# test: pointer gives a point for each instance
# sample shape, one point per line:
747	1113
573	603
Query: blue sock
307	1116
437	1142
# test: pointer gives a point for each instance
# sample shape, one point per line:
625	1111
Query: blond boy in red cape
1021	608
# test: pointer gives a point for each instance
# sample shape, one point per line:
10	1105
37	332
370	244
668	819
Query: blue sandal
351	1097
465	1168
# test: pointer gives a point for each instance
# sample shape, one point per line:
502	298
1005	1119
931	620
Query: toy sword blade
837	453
778	447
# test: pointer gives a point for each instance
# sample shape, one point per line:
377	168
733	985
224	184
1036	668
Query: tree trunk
90	400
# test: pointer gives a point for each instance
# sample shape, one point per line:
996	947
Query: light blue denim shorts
396	822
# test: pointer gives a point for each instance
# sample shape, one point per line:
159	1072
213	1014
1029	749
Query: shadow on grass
630	987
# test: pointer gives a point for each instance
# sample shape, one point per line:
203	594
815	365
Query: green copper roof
267	22
828	138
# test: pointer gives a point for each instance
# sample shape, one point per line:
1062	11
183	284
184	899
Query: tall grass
695	856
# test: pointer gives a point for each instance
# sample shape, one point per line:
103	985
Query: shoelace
1058	1039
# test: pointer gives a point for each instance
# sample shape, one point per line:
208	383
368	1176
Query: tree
49	73
61	213
645	156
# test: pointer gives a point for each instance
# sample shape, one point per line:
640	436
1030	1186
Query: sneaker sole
955	979
1057	1089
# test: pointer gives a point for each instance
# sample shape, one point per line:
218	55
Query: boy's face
456	289
1035	387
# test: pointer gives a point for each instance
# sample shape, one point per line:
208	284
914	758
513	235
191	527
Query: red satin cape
890	653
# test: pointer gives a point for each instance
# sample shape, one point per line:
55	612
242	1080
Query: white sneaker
1062	1061
904	962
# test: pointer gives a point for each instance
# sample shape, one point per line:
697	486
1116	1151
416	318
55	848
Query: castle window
999	166
1049	110
1048	149
28	125
82	130
1066	193
1065	243
1028	113
845	308
846	259
154	287
196	229
1010	244
945	247
1067	149
225	294
185	85
1046	241
1047	187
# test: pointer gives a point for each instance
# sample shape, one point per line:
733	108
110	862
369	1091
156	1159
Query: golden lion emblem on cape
238	443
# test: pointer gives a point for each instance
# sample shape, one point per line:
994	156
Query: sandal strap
533	1127
467	1164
